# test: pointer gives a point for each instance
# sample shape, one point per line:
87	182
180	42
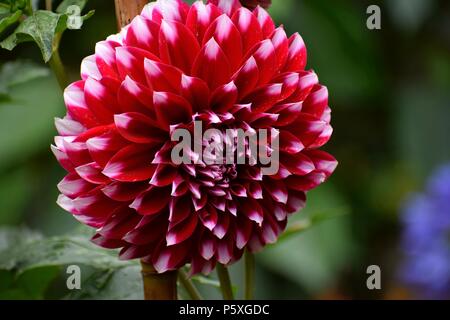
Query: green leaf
14	193
297	227
15	5
56	251
36	281
6	21
10	237
32	106
4	10
206	281
17	72
41	28
314	259
30	285
26	254
123	283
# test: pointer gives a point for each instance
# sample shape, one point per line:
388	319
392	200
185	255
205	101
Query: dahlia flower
425	242
218	63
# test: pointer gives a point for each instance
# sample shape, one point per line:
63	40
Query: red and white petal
73	186
323	161
92	173
182	231
222	226
270	230
298	164
62	158
171	109
308	128
290	83
170	10
244	229
76	105
89	68
143	33
296	201
68	127
265	97
306	183
249	28
135	97
199	18
131	164
107	243
207	245
247	77
290	143
209	217
281	45
105	58
152	201
265	21
228	38
121	221
179	187
266	60
162	77
130	252
317	101
227	6
177	45
297	55
277	190
138	128
76	152
94	209
307	81
100	100
149	231
252	209
212	65
323	138
224	98
124	191
180	208
287	113
196	91
130	62
199	265
164	175
170	258
103	147
224	251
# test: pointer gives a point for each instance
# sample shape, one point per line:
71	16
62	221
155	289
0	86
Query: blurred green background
389	92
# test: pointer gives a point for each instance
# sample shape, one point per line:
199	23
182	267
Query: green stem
189	286
249	275
58	69
225	282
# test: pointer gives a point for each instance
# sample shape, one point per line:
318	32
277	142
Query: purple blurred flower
426	238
